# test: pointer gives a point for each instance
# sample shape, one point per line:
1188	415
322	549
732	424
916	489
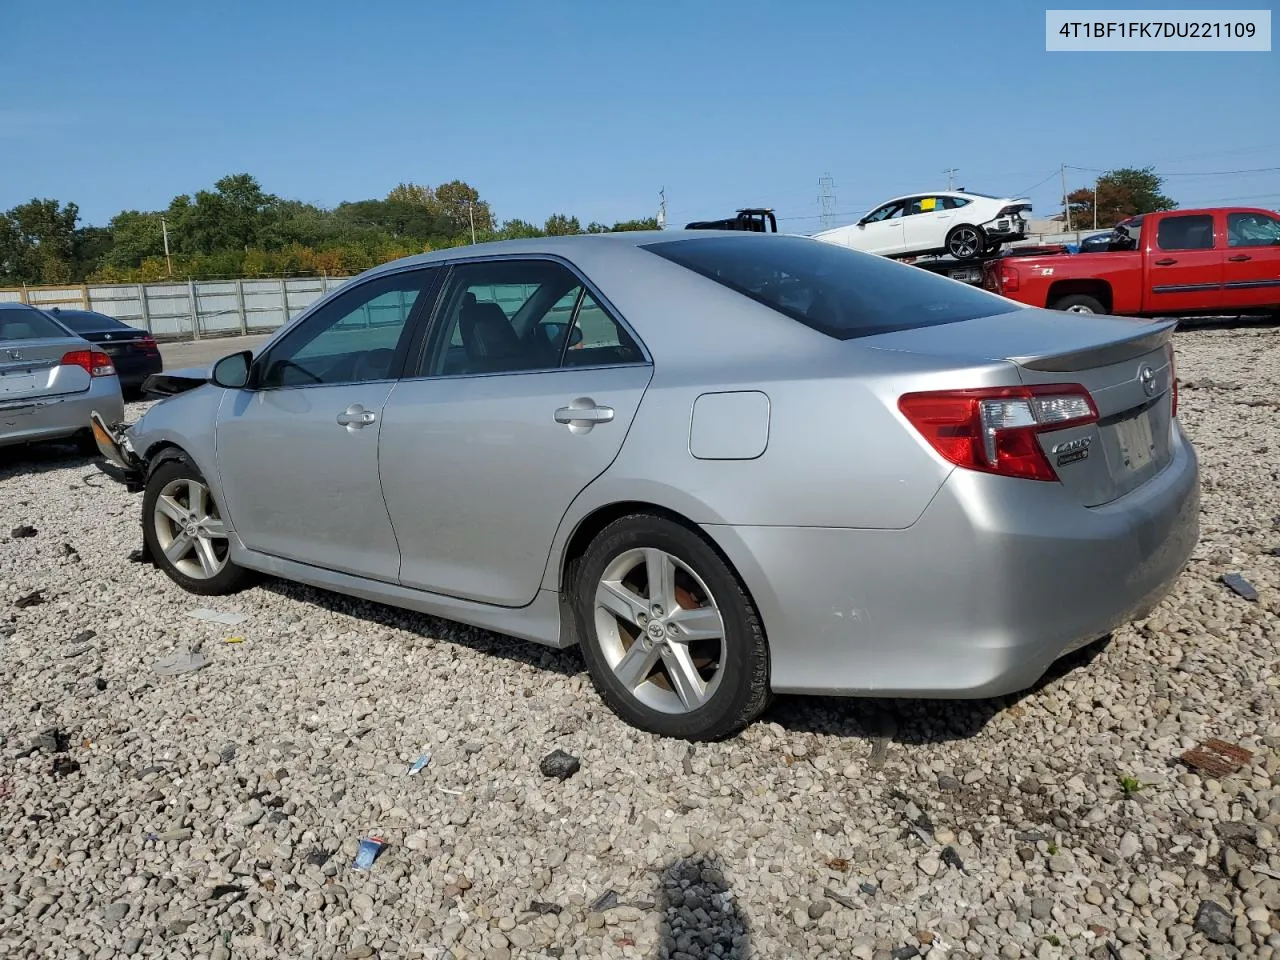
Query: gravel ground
217	813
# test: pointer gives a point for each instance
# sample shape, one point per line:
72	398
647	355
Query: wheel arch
595	520
1100	290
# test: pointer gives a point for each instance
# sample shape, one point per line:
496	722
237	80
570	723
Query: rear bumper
997	580
55	418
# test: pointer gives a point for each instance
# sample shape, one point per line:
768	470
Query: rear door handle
584	411
1166	262
1240	258
355	417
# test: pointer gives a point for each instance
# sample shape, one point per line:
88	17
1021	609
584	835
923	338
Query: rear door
1184	264
31	350
1251	268
522	396
927	220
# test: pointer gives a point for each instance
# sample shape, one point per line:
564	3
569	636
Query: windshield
837	291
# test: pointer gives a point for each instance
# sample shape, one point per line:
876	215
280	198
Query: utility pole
164	230
662	209
1095	204
471	214
1066	207
950	172
827	199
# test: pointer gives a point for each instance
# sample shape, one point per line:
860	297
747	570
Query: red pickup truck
1222	260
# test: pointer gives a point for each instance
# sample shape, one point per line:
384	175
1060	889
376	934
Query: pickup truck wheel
1078	303
965	242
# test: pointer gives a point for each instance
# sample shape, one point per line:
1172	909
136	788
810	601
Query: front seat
488	337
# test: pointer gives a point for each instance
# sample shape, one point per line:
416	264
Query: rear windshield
82	322
837	291
27	325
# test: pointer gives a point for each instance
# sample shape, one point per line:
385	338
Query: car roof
15	305
567	246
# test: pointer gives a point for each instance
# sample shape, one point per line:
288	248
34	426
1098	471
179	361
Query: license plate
966	276
16	383
1136	442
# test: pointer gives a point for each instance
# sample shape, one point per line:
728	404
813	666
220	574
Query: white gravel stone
232	799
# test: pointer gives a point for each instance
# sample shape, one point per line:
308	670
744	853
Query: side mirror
863	222
232	372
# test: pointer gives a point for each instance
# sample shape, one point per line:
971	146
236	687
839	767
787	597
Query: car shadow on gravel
700	915
914	720
567	663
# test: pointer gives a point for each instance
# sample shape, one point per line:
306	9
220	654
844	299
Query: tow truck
763	220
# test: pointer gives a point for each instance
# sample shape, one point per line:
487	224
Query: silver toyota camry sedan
723	464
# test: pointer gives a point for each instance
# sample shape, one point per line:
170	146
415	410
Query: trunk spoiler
1116	351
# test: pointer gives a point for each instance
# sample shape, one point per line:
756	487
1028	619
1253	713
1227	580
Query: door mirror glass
233	372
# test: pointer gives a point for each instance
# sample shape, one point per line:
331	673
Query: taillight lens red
91	361
148	345
996	430
1008	277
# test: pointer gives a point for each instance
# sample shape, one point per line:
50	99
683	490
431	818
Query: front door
1251	268
1184	266
523	397
297	451
881	231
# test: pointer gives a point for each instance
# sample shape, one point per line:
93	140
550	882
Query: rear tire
1079	303
178	510
658	664
965	241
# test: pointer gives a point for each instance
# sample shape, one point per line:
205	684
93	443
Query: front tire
673	643
184	532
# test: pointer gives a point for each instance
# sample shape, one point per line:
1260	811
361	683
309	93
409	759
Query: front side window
1252	230
830	288
506	316
888	212
1192	232
352	339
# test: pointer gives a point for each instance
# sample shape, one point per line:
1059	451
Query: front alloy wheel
673	642
185	532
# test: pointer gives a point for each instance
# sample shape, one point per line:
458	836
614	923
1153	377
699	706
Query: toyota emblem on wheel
1147	377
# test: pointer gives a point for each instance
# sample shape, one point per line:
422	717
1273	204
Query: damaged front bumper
121	463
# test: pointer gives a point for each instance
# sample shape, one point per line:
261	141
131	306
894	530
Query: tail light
1173	377
148	344
996	430
1008	277
91	361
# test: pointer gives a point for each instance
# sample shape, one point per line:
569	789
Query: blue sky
588	108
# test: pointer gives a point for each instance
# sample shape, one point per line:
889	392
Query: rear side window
1192	232
28	324
837	291
1252	230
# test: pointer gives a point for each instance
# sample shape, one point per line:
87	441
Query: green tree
457	202
648	223
1121	193
134	237
38	245
559	225
413	193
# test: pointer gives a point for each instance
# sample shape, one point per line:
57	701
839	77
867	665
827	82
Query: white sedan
965	225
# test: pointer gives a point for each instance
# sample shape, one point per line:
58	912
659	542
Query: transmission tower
662	209
827	199
950	172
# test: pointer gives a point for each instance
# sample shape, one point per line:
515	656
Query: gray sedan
723	464
51	380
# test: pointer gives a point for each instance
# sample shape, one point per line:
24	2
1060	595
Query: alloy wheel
660	630
965	243
189	529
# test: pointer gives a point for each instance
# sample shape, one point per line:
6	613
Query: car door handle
584	413
1240	258
356	416
1166	262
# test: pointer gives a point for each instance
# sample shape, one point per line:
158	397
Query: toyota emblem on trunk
1148	378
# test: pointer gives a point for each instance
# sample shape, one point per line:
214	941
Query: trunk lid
1125	364
32	370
